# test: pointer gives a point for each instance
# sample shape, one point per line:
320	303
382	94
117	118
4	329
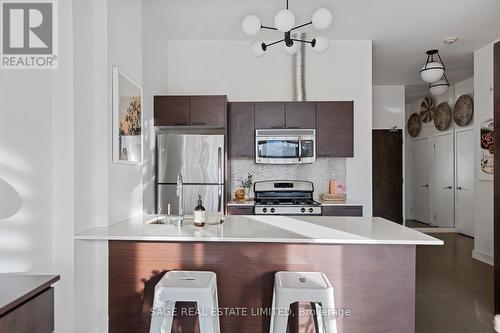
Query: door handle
219	199
447	188
460	188
219	165
425	185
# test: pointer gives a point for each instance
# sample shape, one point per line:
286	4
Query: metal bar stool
314	287
186	286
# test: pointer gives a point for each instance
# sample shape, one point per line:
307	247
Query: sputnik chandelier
284	21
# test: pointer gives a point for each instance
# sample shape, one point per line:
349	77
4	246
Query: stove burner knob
310	210
264	210
302	210
272	210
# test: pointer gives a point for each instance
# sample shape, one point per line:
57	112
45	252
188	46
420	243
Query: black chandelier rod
430	58
442	63
304	41
301	26
270	28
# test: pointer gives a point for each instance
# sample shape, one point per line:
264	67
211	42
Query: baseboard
483	257
436	230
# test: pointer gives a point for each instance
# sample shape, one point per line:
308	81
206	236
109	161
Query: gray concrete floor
454	292
416	224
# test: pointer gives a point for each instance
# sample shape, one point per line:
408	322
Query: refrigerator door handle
219	201
219	164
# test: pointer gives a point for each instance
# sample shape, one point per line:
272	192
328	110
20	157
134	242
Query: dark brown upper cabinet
208	110
300	115
269	115
241	129
171	110
190	111
335	129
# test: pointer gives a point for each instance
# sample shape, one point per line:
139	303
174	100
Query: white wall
227	67
26	171
36	171
483	108
125	52
388	107
107	34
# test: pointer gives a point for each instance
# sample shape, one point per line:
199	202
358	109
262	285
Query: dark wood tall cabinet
241	117
335	129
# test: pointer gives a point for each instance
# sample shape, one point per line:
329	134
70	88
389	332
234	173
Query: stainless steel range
285	197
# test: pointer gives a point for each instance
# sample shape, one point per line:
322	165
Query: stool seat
302	280
185	286
313	287
187	280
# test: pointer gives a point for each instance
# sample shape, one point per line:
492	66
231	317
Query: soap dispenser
199	214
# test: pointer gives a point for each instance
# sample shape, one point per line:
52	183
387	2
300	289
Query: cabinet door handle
447	187
425	185
460	188
293	127
199	124
180	124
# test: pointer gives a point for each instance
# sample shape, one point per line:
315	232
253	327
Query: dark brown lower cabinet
239	210
36	315
342	210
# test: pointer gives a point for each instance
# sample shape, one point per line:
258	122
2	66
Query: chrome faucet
179	192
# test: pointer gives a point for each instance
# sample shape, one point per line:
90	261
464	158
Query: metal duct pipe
299	68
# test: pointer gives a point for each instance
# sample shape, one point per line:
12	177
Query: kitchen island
369	261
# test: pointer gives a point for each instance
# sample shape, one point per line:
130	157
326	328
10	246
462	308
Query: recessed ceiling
401	30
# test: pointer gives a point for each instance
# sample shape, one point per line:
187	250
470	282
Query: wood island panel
375	282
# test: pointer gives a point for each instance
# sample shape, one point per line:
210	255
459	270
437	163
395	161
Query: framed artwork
127	119
486	166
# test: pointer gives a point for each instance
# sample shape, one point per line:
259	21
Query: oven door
277	150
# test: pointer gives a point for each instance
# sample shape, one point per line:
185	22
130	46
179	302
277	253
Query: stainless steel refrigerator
200	161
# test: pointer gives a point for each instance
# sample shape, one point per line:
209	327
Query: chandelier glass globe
251	25
432	72
291	50
321	44
439	87
257	50
321	18
284	20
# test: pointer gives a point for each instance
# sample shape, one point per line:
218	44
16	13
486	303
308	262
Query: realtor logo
29	35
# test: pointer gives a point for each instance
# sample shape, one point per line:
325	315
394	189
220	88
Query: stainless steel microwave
285	146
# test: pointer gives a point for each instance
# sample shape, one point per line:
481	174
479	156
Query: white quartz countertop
266	229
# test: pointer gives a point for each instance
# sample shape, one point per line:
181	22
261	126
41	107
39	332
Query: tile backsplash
319	172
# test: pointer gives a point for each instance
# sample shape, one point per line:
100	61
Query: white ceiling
401	30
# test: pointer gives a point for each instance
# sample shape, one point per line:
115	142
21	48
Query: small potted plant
247	185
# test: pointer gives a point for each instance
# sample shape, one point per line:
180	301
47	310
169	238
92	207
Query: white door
443	201
465	182
420	165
